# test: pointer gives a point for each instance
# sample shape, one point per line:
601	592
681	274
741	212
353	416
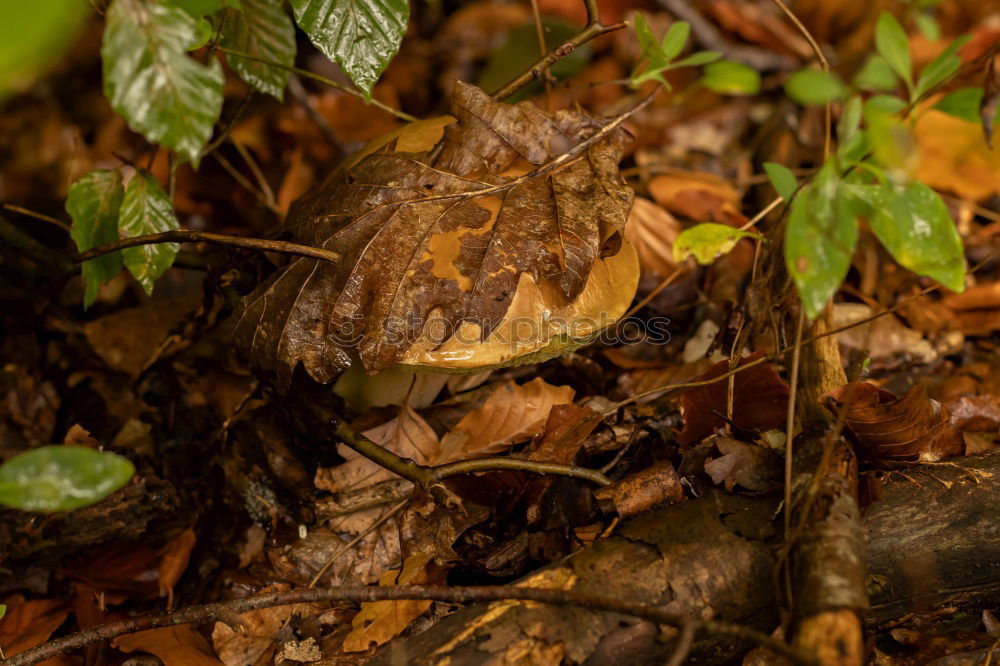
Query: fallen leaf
258	633
174	559
760	400
512	413
415	237
883	337
380	621
27	624
701	197
128	339
954	156
652	230
77	435
179	645
891	430
746	465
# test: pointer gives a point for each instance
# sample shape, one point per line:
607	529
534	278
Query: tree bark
933	540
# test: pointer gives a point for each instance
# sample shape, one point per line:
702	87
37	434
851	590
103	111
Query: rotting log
933	541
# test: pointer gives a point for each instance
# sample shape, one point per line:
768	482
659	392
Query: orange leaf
174	560
380	621
652	231
29	623
175	646
512	413
699	196
954	156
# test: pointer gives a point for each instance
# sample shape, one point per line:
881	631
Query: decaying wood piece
713	557
29	540
827	555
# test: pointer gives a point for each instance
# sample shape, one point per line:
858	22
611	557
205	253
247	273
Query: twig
594	28
683	647
543	49
457	595
793	382
666	282
246	184
322	79
298	91
534	466
814	45
38	216
248	159
425	476
188	236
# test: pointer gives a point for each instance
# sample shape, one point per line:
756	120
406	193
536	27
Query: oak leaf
447	230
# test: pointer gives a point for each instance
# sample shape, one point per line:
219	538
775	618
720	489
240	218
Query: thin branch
246	184
594	28
322	79
188	236
814	45
262	183
356	540
534	466
38	216
225	610
790	416
381	456
543	49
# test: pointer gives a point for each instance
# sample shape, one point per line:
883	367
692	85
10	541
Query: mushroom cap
540	324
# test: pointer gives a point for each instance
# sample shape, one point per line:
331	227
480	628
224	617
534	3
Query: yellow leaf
380	621
954	156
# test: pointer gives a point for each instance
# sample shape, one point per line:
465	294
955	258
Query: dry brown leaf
407	435
760	400
702	197
126	340
29	623
891	430
179	645
512	413
174	559
749	466
415	237
380	621
652	231
259	632
954	156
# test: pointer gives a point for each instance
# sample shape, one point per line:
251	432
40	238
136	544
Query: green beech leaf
731	78
876	74
164	94
784	181
820	239
813	87
939	69
706	242
361	36
884	104
893	45
851	140
963	103
261	29
146	209
914	224
61	478
93	204
928	26
675	39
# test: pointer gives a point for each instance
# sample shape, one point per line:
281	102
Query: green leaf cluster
104	210
659	56
61	478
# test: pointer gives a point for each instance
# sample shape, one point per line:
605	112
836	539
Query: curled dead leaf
702	197
891	430
449	231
